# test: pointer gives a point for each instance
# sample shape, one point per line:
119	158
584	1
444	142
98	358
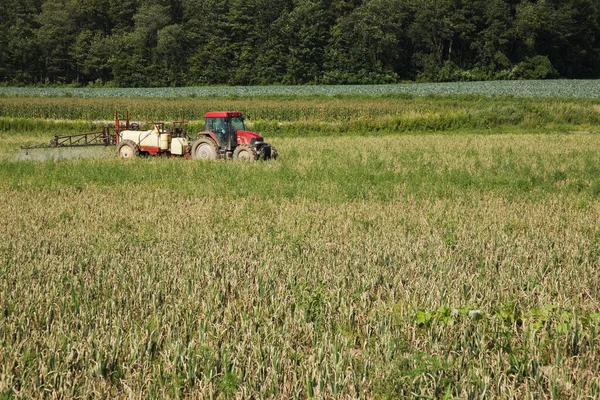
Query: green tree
121	14
542	29
367	48
19	61
213	55
136	62
494	37
581	56
55	36
305	32
170	55
95	54
442	31
255	28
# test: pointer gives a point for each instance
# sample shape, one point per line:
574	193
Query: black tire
204	149
127	149
245	153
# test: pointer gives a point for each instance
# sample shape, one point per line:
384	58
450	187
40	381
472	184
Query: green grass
410	265
351	169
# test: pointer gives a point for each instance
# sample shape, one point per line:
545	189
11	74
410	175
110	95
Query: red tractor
225	136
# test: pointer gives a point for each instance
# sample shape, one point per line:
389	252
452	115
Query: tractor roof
222	114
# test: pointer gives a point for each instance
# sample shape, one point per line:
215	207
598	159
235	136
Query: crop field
31	119
541	88
378	260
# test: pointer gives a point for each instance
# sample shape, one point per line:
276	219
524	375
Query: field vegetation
31	118
557	88
374	259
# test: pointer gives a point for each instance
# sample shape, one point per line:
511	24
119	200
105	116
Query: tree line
143	43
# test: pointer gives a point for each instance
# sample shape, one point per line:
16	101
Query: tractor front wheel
204	149
127	149
245	153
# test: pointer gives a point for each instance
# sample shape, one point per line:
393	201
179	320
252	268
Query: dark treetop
256	42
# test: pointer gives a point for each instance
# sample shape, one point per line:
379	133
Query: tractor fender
210	135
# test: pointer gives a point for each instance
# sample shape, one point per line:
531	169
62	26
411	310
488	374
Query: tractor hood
247	137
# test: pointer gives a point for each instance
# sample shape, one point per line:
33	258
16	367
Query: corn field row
293	117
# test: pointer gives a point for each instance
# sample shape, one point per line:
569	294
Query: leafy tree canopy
249	42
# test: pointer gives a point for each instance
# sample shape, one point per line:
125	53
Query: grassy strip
45	127
349	169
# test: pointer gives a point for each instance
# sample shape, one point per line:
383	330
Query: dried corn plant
382	267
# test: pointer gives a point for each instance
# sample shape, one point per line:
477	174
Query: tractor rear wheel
204	149
245	153
127	149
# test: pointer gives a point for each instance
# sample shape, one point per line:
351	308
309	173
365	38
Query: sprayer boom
102	138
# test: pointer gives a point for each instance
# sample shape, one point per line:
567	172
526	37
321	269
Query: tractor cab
225	125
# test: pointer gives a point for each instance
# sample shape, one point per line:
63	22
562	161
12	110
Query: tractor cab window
237	124
218	127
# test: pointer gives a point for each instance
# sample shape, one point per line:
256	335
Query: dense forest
255	42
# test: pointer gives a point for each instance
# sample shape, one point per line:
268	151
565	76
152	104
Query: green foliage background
145	43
